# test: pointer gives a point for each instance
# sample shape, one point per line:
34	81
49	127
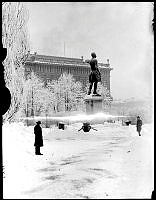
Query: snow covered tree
71	92
102	90
68	94
54	90
15	39
107	98
36	98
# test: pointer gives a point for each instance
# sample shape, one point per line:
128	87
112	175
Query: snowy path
110	163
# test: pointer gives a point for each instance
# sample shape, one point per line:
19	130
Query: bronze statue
95	75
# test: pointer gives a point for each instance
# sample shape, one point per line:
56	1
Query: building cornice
61	61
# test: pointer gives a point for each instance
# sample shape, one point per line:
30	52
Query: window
28	69
48	80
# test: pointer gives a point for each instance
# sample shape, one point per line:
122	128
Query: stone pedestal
93	104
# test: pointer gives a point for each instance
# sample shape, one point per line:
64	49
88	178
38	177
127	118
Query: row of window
58	69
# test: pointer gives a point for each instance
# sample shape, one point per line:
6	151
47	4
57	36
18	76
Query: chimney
35	53
108	61
82	58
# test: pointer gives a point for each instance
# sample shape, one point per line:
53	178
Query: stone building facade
51	67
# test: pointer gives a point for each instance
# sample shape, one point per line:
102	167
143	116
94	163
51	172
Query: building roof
58	60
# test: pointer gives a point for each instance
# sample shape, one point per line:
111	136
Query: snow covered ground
113	162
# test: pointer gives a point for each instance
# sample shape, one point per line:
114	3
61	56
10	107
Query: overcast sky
118	31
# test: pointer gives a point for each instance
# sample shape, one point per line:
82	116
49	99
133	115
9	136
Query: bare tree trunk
32	104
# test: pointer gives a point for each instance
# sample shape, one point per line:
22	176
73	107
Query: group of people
39	139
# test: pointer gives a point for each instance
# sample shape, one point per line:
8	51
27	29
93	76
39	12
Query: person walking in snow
38	138
95	75
139	125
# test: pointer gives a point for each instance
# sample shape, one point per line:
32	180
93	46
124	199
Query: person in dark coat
38	138
139	125
95	75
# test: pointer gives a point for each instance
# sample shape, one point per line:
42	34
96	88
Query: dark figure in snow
38	138
86	127
95	75
139	125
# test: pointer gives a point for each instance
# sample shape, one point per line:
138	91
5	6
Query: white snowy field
113	162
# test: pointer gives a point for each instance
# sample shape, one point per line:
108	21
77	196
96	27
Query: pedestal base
93	104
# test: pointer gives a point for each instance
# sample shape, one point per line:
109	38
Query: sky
118	31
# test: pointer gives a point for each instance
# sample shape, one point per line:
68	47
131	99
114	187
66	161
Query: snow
113	162
78	118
